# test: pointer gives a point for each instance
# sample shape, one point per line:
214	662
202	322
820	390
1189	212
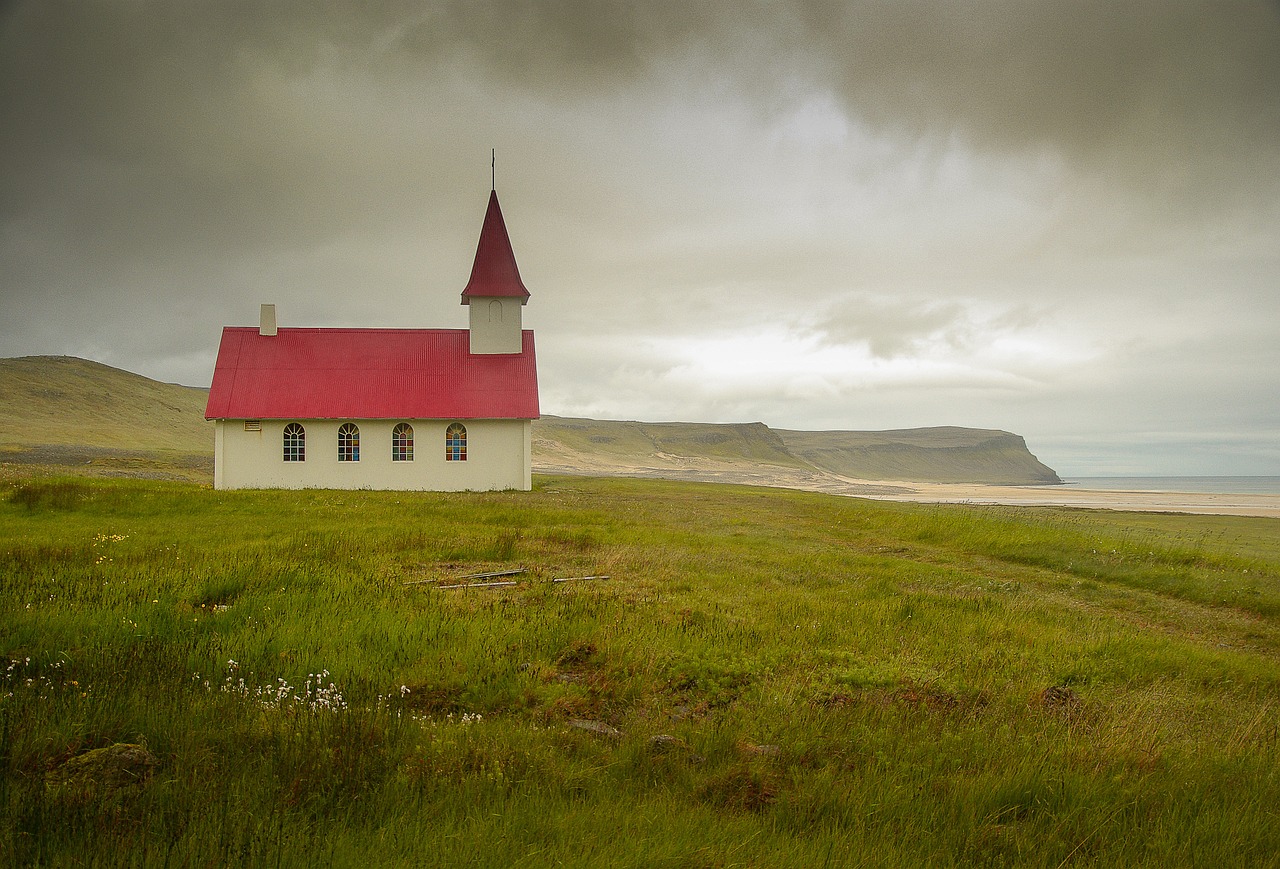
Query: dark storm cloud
1171	96
1136	81
202	102
1070	74
122	110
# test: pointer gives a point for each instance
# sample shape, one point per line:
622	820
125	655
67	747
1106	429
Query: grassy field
766	678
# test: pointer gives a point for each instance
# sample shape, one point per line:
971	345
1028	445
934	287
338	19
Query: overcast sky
1061	219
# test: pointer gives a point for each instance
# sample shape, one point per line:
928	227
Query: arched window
348	443
495	311
402	443
295	443
455	443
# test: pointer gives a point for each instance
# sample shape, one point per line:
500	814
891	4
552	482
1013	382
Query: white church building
426	409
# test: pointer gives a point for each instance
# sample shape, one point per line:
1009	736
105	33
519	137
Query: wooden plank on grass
507	583
496	573
502	584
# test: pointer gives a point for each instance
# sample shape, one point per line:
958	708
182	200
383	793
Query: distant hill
945	454
62	411
600	443
760	454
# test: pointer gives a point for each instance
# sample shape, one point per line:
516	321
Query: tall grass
766	678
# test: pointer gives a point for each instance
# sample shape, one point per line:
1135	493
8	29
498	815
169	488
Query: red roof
494	272
369	374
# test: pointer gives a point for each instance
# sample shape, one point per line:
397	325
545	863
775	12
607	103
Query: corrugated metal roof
369	374
494	272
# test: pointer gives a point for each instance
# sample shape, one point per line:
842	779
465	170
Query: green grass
767	678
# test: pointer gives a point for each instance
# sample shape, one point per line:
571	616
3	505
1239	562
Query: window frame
402	442
293	441
455	442
348	442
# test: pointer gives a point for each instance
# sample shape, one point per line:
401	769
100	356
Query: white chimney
268	323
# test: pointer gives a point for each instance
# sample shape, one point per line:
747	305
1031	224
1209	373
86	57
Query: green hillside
945	454
594	441
60	410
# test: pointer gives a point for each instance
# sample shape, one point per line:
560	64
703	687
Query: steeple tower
495	294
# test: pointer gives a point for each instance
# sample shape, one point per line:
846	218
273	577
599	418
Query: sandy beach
936	493
1074	496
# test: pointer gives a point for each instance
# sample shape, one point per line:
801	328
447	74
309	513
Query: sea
1210	485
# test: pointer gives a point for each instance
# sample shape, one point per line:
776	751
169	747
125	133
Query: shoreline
1040	495
1206	503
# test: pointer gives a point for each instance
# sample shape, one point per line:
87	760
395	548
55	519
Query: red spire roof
494	272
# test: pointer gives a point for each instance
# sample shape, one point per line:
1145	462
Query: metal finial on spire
493	169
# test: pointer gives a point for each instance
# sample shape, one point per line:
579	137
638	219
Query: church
422	409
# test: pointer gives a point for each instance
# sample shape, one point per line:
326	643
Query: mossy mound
102	771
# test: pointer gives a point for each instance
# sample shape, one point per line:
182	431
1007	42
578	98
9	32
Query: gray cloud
893	329
1173	97
265	111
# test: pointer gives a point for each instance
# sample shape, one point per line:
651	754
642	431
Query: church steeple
495	293
494	273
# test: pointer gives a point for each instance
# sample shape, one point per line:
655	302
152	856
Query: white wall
496	325
498	456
